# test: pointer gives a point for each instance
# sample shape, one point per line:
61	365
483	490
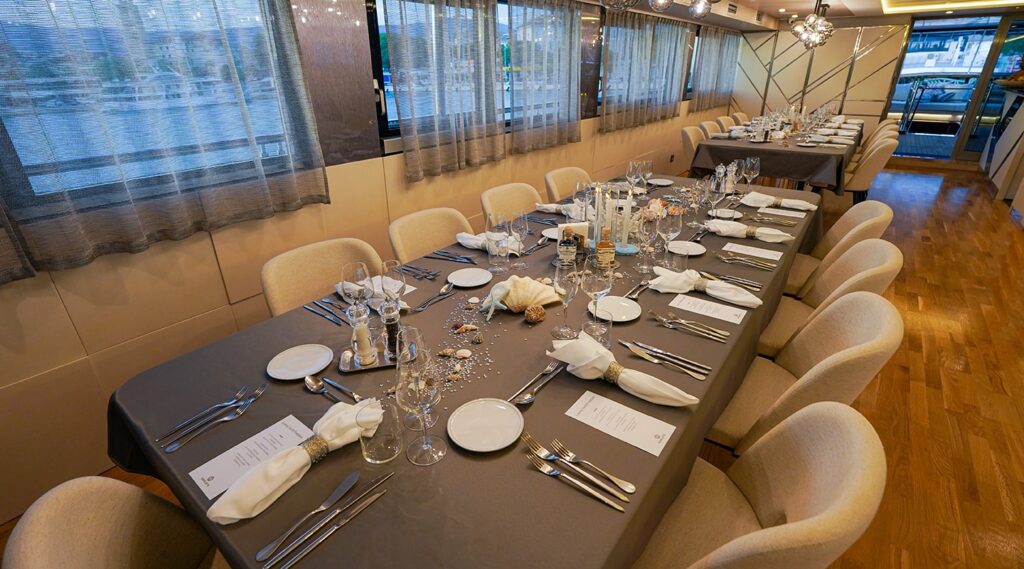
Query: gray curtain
715	71
446	71
643	69
544	59
127	123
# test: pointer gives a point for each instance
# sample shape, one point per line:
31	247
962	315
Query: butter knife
670	365
331	500
327	533
678	359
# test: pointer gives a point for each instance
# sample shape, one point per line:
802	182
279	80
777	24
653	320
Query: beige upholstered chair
797	499
872	144
691	138
866	220
831	359
725	122
886	122
870	265
100	523
561	182
516	197
311	271
740	118
709	127
859	181
419	233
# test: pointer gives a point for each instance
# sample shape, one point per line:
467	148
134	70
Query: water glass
669	227
599	325
383	443
354	283
566	283
519	227
751	169
497	243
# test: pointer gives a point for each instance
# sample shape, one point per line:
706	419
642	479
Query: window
692	64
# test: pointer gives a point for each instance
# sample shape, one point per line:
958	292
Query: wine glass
716	193
496	238
566	283
356	286
519	227
596	282
670	226
751	169
390	285
418	390
634	172
646	230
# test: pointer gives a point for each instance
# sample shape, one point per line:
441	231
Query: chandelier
701	8
660	5
815	29
619	5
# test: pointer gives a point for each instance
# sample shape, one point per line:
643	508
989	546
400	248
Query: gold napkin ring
777	202
751	232
316	447
700	285
611	375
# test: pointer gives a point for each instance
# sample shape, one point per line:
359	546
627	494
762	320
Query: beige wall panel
531	167
36	333
830	68
41	451
244	247
250	311
121	296
752	71
460	190
788	72
359	204
115	365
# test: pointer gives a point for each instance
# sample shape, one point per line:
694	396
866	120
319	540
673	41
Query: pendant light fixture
815	30
619	5
701	8
660	5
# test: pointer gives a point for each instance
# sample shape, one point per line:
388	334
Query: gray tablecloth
470	510
822	166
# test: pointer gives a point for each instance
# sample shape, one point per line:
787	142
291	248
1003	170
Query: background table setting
676	371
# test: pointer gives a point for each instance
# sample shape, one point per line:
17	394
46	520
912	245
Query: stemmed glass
670	226
496	237
391	284
634	172
716	193
751	169
566	283
646	173
596	283
418	390
646	230
356	286
519	226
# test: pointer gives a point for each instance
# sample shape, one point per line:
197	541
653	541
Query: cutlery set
634	293
524	397
544	460
223	412
318	385
541	243
418	273
327	314
542	220
773	221
691	327
696	370
446	291
752	286
729	257
443	255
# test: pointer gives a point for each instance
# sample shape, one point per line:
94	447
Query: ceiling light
701	8
660	5
900	7
619	5
814	30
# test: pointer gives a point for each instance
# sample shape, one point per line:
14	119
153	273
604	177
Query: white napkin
757	199
819	138
842	140
679	283
737	127
719	135
378	284
727	228
845	132
850	125
257	489
588	359
855	121
825	131
470	241
570	210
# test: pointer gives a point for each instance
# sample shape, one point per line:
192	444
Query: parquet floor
949	407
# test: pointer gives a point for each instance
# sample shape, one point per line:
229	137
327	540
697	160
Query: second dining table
469	510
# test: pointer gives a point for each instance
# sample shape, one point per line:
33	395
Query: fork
544	454
231	416
202	414
746	261
638	289
572	457
548	369
673	316
549	470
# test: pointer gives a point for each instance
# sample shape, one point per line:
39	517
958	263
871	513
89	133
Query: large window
692	64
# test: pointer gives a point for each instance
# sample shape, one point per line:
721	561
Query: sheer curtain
446	72
126	123
544	57
643	69
715	71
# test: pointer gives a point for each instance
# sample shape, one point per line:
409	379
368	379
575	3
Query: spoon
440	294
316	385
531	395
635	293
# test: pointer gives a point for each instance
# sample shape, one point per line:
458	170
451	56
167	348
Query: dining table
470	510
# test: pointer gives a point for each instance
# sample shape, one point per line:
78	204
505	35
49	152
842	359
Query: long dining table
469	510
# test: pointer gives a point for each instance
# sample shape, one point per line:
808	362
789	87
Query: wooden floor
949	407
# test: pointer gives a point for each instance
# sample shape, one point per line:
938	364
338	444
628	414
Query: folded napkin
757	199
848	125
842	140
855	121
737	127
719	135
570	210
819	138
383	287
588	359
825	131
845	132
261	486
689	280
470	241
727	228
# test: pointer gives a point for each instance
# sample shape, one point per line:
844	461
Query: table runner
470	510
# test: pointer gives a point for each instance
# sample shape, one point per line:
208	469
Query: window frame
691	62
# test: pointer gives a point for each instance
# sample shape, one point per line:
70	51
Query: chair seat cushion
708	513
764	383
803	267
789	317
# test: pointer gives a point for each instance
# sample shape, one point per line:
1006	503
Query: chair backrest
890	131
866	220
725	123
740	118
709	127
421	232
870	265
870	165
101	523
814	482
886	122
691	138
835	356
513	198
306	273
561	182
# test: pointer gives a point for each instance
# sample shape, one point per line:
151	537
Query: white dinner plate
806	144
688	248
660	182
621	308
470	277
300	361
725	213
485	425
551	233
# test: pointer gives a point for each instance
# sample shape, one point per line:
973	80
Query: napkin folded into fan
571	210
757	199
727	228
688	280
260	487
588	359
378	284
470	241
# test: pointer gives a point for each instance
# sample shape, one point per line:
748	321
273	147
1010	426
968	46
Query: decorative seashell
517	294
447	352
457	368
463	353
535	314
478	338
547	280
452	377
474	300
619	275
467	328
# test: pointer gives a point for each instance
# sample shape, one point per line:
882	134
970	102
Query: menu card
783	212
626	424
218	474
753	251
708	308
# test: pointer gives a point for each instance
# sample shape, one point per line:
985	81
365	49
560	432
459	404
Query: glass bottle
605	249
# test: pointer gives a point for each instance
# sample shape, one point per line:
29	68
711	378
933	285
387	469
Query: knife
665	362
326	308
316	542
677	359
327	317
352	394
331	500
452	259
